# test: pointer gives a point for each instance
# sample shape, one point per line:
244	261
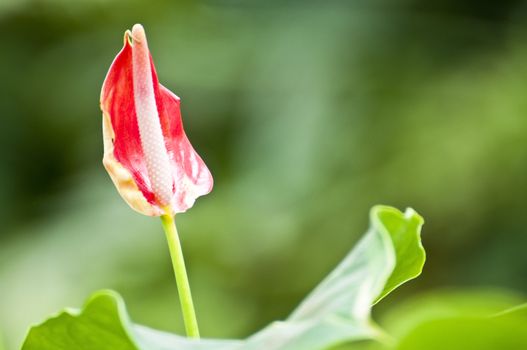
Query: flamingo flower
146	150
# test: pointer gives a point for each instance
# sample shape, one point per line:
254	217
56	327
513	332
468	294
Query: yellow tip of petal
138	33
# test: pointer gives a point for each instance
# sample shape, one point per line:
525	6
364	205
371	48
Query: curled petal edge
122	178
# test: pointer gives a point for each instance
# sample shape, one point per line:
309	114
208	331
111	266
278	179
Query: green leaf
406	236
454	319
102	324
519	312
402	318
389	255
504	331
337	311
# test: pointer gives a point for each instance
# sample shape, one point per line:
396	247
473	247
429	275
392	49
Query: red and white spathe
146	151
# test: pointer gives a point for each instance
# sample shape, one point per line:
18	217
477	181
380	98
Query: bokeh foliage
307	113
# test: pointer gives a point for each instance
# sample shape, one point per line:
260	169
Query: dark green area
307	113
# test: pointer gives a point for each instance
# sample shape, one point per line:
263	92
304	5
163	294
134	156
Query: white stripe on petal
152	141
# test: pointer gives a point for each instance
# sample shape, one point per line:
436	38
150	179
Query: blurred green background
307	113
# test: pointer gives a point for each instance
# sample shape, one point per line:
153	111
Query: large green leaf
337	311
102	324
507	330
402	318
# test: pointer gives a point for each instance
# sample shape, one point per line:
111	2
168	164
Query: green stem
178	263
